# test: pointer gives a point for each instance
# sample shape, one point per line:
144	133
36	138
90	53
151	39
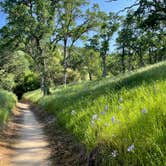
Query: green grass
7	102
136	115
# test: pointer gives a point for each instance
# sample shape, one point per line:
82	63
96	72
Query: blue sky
113	6
104	5
2	19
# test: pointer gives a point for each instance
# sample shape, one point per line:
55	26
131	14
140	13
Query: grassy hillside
7	102
124	117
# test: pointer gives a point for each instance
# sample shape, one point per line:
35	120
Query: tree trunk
150	56
155	57
141	63
130	67
44	80
44	86
90	76
42	66
123	60
65	62
104	66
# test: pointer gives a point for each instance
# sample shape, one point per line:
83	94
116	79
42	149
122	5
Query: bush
6	81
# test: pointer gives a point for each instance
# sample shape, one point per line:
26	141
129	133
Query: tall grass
125	117
7	102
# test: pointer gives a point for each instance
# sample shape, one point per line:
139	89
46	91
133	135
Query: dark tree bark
104	66
150	56
44	79
130	66
123	60
90	76
141	63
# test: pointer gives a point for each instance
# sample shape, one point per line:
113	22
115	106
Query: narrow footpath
34	138
31	148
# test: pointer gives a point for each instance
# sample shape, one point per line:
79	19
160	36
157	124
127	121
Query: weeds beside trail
122	121
7	102
7	127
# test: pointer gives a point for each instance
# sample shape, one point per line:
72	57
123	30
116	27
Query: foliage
125	115
87	62
114	66
109	24
154	12
6	81
46	32
92	63
13	65
30	81
69	29
7	102
137	47
32	23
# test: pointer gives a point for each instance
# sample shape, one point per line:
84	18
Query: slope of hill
122	120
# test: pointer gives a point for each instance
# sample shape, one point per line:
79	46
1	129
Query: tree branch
128	8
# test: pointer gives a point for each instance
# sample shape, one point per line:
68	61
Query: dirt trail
27	145
31	148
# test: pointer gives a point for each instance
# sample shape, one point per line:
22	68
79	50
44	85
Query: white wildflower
106	108
73	112
114	153
92	123
94	117
120	99
106	124
130	148
119	107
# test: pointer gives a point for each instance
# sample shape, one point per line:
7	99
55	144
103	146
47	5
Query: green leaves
153	13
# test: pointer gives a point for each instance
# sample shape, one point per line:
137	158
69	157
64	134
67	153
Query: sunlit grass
7	102
124	116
